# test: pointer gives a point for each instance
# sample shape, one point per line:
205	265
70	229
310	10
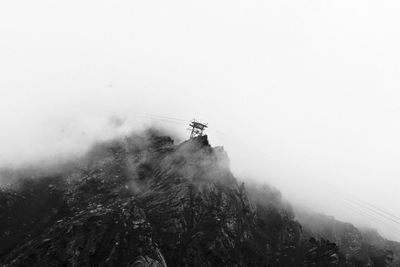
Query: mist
302	95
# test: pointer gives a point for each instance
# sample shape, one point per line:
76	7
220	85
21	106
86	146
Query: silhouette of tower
197	128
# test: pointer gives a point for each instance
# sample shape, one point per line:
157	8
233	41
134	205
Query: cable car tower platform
197	128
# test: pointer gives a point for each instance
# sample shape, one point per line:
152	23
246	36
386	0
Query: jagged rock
143	201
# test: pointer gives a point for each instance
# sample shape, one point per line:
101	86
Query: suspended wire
375	207
381	223
364	206
163	120
160	118
378	216
166	117
373	210
354	207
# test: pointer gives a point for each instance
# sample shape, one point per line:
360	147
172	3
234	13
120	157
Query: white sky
305	93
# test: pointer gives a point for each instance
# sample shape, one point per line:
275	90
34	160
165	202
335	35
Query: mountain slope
359	247
144	201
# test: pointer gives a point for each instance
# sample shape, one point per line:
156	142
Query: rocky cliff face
144	201
356	247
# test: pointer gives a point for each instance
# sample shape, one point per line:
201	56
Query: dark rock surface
356	247
143	201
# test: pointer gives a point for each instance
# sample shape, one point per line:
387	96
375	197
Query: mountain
145	201
358	247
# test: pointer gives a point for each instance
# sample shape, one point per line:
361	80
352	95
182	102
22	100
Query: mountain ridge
144	201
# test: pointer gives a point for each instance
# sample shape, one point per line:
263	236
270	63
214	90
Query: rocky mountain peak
144	201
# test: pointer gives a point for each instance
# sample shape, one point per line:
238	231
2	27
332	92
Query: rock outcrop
144	201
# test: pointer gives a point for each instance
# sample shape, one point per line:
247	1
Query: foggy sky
304	95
